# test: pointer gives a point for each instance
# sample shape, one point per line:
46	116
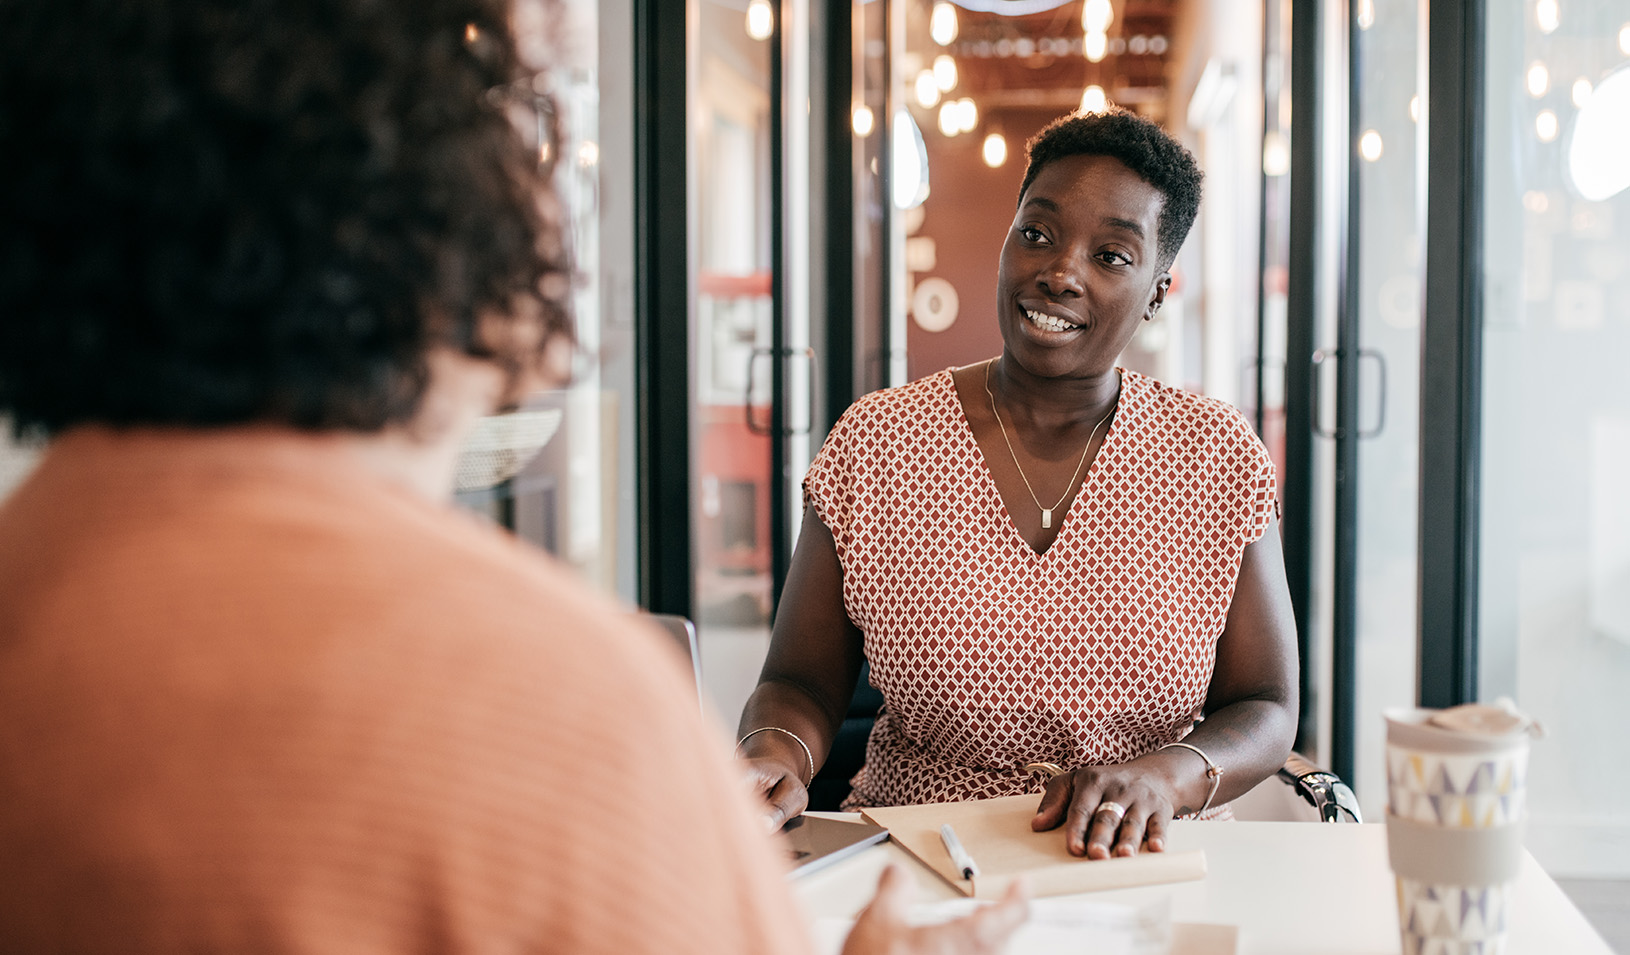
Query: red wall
967	214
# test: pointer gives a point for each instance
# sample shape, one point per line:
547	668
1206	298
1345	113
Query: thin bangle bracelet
1212	770
801	745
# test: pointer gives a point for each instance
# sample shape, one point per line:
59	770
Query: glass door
1554	569
756	131
560	471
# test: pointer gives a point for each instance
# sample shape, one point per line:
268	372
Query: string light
1539	79
928	91
994	152
1096	15
1546	126
1370	145
942	25
863	121
1548	14
945	73
1095	45
760	19
1581	91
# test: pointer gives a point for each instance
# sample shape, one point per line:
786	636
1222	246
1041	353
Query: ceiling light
942	25
760	19
928	91
1096	16
1581	91
948	118
1095	45
1369	145
967	115
1093	99
1545	125
1539	79
994	152
944	73
1548	15
1275	154
863	121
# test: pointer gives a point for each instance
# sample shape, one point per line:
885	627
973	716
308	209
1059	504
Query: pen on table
959	855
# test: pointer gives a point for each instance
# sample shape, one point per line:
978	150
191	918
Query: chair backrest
683	633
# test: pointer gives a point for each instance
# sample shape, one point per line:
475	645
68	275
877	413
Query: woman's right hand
882	927
780	786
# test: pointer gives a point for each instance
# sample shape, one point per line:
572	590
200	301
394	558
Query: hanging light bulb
760	19
942	25
1548	15
994	152
949	124
863	121
1546	125
945	73
967	115
1095	45
1093	99
928	91
1369	145
1539	79
1581	91
1096	16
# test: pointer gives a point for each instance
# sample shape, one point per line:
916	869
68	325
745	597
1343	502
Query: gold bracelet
801	744
1213	771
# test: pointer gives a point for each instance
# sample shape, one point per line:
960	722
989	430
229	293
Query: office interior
1411	272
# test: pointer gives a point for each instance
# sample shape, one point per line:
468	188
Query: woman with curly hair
1056	568
262	267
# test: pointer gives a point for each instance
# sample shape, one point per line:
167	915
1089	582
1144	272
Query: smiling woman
1001	634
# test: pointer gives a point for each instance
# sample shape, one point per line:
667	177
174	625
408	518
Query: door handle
1320	358
766	428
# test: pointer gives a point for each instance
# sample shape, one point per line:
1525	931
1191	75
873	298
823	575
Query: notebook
997	833
816	842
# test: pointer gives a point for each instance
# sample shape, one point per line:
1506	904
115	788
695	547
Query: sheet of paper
1055	925
998	835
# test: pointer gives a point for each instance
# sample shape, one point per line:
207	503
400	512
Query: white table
1290	887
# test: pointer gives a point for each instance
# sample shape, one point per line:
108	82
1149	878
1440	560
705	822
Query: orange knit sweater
254	699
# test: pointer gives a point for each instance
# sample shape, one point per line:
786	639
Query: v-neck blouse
990	655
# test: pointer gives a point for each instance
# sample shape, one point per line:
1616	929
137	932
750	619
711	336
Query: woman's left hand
1108	810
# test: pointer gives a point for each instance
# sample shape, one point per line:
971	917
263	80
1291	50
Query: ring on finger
1111	806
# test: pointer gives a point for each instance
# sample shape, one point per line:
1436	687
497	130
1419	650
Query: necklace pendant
1046	517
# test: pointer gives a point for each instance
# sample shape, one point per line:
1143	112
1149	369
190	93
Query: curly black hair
230	211
1144	147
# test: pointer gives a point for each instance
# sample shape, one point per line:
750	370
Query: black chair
1300	791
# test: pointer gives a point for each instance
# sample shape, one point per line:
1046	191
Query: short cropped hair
1143	147
232	211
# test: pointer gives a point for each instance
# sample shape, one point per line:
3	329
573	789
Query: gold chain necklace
1046	512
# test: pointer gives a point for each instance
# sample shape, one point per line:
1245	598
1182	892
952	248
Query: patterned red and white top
990	655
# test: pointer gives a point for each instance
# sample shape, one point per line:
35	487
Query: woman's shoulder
914	402
1172	416
1170	405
